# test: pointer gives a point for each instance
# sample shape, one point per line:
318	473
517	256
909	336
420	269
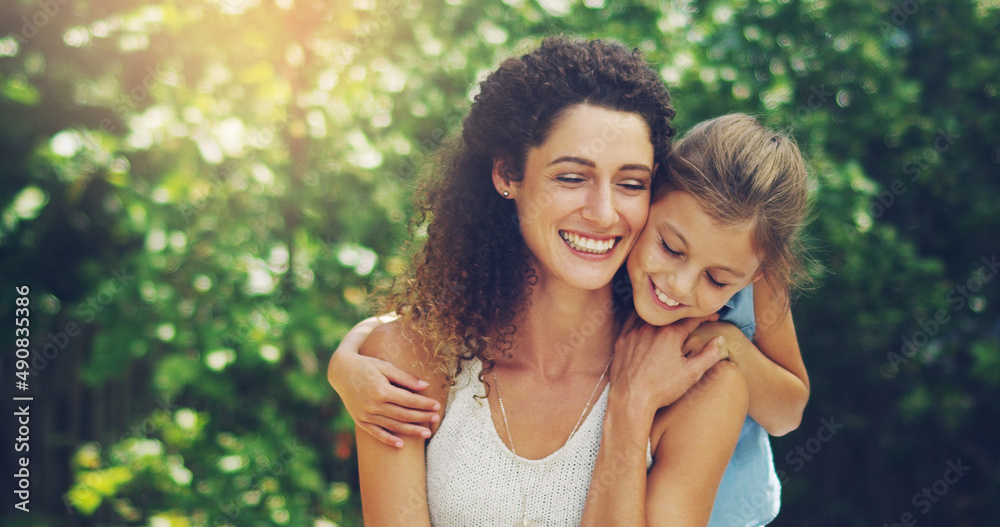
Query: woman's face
585	195
685	264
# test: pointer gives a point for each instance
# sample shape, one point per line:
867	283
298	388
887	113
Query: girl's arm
771	364
393	480
694	436
376	393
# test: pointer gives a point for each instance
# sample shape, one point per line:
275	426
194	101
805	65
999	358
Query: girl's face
585	195
685	264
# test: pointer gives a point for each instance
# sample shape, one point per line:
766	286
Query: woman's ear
501	179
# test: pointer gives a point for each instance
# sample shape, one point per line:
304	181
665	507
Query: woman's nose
600	208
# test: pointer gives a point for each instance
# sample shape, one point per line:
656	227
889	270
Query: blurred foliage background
201	194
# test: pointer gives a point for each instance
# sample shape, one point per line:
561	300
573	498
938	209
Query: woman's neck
565	330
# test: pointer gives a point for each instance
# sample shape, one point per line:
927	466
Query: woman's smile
591	245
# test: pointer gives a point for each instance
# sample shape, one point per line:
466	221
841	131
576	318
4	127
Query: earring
506	194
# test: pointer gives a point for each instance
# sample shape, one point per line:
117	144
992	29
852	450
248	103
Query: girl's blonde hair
741	174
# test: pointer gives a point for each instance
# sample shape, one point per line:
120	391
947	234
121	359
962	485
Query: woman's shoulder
395	342
390	342
719	399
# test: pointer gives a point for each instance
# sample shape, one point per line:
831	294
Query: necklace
503	412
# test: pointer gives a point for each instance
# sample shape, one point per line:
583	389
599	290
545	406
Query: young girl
733	201
726	215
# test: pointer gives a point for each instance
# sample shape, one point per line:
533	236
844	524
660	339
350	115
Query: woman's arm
772	364
649	371
697	436
376	393
393	480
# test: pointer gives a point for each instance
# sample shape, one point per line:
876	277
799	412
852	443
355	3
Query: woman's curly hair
472	277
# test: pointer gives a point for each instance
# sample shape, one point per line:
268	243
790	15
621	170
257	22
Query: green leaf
17	89
174	373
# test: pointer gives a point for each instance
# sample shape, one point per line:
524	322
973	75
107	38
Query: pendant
526	523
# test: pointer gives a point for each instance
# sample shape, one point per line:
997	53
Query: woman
512	298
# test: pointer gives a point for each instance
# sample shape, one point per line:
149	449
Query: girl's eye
668	249
715	283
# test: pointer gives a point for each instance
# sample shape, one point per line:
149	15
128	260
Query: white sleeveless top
474	480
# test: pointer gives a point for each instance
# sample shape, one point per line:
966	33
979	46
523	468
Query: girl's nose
682	281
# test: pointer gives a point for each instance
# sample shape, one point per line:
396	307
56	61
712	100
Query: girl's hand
650	363
733	339
378	395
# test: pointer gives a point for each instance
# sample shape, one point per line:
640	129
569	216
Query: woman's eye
569	178
638	186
